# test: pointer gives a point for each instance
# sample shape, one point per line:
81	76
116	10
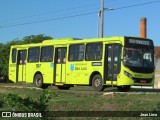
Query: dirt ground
158	71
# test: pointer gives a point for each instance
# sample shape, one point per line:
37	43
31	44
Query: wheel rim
97	82
38	81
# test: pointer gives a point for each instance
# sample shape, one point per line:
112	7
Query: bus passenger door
21	65
60	64
112	61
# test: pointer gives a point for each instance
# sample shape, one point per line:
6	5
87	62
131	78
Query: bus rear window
94	51
14	54
33	54
76	52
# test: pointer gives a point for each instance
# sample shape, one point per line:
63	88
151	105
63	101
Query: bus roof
64	41
73	40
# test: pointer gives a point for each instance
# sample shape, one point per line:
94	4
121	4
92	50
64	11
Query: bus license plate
142	81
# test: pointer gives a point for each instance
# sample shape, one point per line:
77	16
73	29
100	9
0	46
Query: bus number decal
38	65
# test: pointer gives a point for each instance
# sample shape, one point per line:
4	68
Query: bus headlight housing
128	74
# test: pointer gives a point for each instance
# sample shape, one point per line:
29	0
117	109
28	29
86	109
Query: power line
137	5
20	24
78	15
51	12
58	11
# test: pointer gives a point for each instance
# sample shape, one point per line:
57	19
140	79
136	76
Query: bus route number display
139	42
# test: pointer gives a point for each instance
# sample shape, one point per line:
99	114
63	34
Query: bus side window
33	54
76	52
47	53
94	51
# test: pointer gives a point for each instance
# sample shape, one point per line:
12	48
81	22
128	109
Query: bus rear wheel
38	81
124	88
97	83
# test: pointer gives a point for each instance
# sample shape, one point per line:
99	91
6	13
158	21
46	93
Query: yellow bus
100	62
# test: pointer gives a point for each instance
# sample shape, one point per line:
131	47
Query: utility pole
102	19
101	22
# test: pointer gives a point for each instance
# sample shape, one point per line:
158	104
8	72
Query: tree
35	38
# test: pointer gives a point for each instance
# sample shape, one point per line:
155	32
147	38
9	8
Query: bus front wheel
38	81
124	88
97	83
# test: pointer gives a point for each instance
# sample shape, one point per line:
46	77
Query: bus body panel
80	72
47	68
77	73
30	70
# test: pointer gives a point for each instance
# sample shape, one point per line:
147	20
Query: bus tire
97	83
124	88
38	81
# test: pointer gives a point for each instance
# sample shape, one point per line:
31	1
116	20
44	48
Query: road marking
145	87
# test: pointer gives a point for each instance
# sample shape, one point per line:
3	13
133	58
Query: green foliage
43	99
5	50
56	95
1	103
157	108
35	39
18	103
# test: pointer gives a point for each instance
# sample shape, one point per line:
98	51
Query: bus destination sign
139	42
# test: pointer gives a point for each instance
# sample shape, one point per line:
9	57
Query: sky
77	18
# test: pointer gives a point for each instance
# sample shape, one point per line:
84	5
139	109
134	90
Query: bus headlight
128	74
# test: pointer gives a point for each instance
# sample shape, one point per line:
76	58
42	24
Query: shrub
28	104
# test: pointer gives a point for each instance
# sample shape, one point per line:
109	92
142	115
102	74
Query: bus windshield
139	58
